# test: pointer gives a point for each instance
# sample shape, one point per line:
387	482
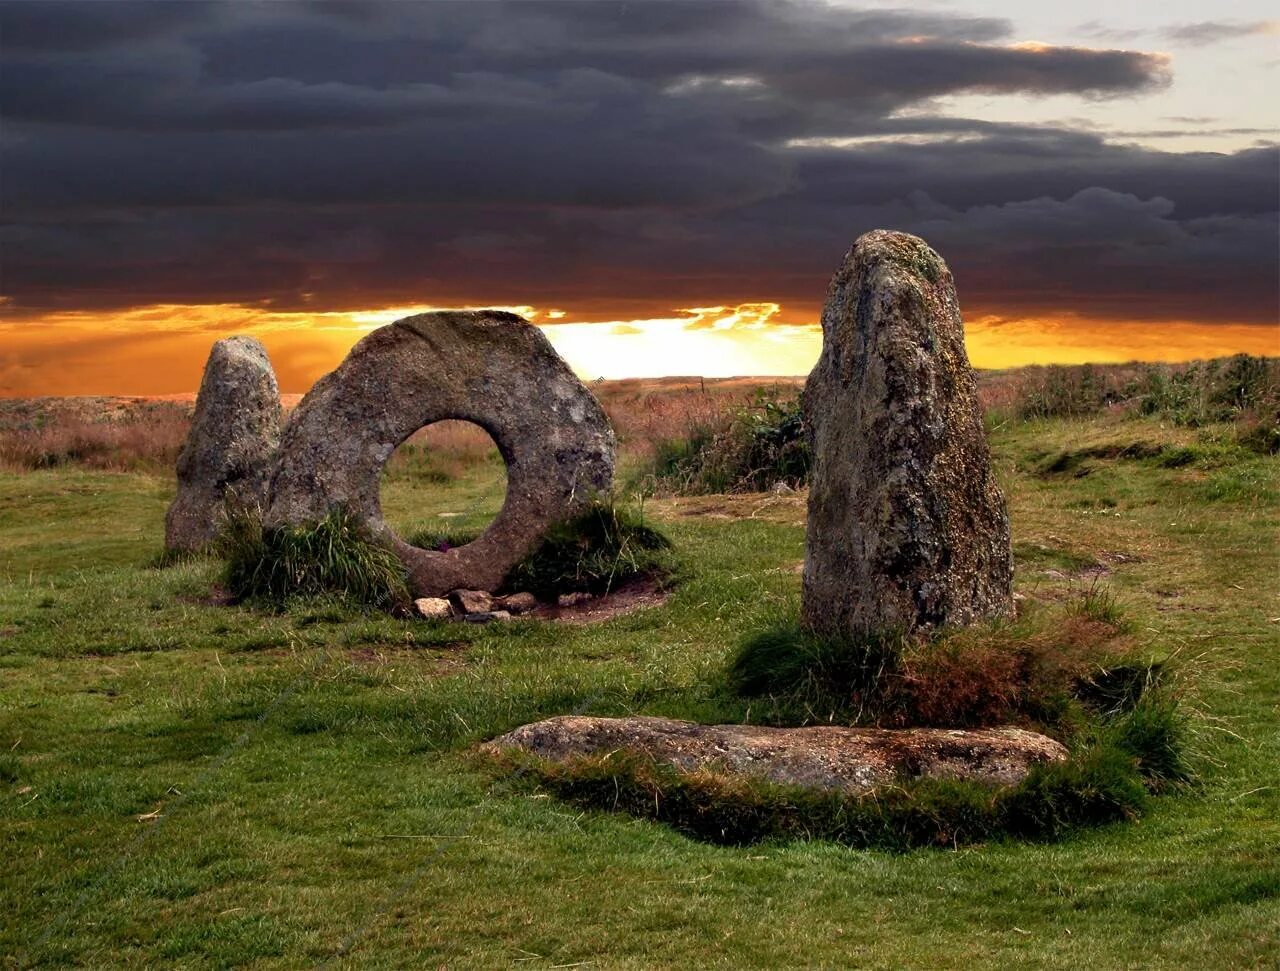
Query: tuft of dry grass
1037	670
136	439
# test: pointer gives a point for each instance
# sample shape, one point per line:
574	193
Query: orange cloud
162	349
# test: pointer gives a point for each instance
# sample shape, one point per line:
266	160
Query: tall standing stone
907	527
228	452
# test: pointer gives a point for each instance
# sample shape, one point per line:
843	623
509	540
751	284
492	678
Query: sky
664	187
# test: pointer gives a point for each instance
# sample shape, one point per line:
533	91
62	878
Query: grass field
188	784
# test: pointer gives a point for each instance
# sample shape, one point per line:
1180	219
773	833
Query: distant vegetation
692	437
1241	390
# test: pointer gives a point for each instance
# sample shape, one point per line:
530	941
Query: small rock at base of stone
487	616
517	603
432	608
572	599
471	601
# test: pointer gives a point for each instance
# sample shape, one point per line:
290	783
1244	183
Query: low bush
336	557
1060	391
594	552
759	446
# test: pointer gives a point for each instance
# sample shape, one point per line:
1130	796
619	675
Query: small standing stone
907	527
233	438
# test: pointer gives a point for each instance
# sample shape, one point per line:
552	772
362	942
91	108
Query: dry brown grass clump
1039	670
142	436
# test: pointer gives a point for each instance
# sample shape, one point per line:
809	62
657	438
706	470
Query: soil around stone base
632	596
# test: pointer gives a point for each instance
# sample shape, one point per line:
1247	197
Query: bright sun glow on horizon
162	349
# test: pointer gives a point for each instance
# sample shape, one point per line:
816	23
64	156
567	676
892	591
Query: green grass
1098	786
190	784
336	557
596	551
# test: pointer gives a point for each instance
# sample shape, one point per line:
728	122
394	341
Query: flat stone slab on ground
856	760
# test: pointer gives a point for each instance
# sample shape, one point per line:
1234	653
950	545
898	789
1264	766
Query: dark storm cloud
607	155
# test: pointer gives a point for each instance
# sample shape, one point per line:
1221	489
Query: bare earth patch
787	508
627	599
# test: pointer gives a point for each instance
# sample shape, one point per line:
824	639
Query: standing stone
488	367
907	527
228	451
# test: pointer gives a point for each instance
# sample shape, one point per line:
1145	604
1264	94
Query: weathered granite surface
856	760
907	527
229	449
487	367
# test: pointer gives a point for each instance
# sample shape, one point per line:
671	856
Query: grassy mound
594	552
1107	779
336	557
1048	669
1071	671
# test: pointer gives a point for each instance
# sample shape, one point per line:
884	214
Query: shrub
1210	391
760	446
335	557
1059	391
594	552
1260	435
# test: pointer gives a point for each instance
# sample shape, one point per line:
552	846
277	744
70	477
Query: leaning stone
433	608
487	367
907	527
227	455
517	603
855	760
471	601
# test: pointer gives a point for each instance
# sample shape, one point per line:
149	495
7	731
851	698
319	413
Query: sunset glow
664	188
161	350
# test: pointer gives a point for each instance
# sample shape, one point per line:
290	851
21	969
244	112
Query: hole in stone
444	485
